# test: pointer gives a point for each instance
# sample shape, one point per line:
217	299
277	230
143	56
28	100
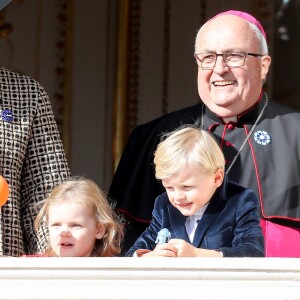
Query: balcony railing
149	278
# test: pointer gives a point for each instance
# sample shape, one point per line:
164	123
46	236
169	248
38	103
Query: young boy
206	214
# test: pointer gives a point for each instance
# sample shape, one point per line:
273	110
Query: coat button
231	126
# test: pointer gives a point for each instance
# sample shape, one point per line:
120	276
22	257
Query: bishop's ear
266	61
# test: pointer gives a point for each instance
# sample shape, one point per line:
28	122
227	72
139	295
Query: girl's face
73	229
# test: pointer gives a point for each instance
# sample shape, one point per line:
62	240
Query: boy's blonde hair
87	193
187	146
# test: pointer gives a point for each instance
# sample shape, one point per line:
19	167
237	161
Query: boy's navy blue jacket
230	223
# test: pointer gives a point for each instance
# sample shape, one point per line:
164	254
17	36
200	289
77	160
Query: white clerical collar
231	119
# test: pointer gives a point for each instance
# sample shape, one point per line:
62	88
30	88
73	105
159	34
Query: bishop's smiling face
230	91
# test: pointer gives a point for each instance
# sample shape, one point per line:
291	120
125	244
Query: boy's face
191	190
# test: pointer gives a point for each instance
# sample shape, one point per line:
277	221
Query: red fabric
280	241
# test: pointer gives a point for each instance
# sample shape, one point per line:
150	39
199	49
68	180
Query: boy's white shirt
192	222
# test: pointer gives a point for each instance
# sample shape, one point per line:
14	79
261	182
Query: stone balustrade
149	278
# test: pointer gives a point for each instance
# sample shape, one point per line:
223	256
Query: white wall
93	74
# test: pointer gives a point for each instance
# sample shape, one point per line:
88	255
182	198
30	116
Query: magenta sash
280	241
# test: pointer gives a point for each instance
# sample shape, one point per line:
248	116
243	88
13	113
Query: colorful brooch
262	137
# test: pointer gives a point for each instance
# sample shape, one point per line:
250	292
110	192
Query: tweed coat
32	159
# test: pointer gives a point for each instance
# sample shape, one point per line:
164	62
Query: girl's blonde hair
187	146
87	193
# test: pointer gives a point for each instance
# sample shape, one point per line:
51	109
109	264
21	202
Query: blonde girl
80	221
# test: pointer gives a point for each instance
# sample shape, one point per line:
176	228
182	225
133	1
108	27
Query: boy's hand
167	250
181	248
185	249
